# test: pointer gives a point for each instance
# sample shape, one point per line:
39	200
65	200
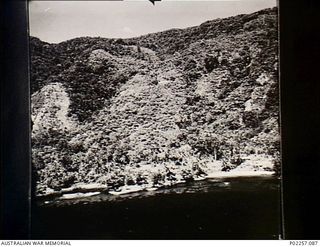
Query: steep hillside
158	109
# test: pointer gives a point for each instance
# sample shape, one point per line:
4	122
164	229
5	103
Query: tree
138	49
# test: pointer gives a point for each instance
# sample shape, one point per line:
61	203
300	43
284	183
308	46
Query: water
229	208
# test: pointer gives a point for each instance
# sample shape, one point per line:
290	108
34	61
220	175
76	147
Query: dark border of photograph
15	122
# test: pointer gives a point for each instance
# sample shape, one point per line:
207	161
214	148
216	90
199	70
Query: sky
57	21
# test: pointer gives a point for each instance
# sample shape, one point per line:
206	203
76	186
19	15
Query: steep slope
157	109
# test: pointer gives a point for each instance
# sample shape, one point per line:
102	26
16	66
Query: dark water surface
229	208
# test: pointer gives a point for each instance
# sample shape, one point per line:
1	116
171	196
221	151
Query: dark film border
15	125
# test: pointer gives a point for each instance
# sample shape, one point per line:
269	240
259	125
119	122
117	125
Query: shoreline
88	190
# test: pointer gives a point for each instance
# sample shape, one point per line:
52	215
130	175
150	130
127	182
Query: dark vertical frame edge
299	66
15	122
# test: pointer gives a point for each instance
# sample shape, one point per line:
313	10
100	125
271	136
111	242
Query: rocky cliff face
157	109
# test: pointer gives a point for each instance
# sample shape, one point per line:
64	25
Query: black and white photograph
155	119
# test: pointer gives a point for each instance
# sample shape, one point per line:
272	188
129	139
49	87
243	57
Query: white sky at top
56	21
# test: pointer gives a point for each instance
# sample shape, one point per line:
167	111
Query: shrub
157	179
250	119
210	63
